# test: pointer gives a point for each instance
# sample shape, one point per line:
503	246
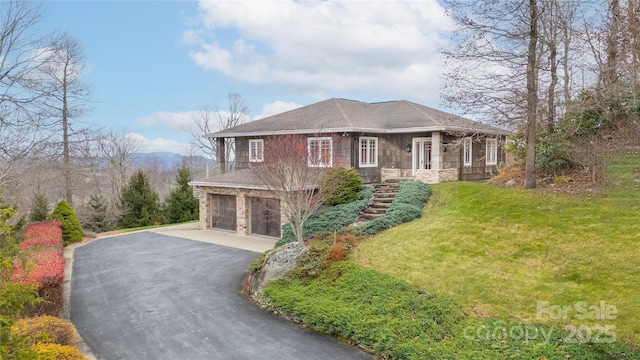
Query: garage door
223	210
265	216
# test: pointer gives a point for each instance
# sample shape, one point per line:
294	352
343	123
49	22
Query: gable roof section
341	115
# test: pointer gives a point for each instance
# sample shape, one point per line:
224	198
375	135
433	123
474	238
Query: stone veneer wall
437	176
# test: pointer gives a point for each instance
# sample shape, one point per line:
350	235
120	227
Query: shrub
347	183
42	234
139	203
47	329
39	208
97	218
413	192
71	229
329	219
58	352
181	205
43	266
336	252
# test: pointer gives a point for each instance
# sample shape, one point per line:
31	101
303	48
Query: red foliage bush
44	266
42	234
336	252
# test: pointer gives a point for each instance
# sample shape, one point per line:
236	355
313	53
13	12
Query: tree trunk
553	68
611	67
532	99
65	142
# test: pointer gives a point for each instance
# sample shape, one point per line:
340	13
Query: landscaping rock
276	265
511	183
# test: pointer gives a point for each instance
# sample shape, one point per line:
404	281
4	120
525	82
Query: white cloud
160	145
180	121
276	107
322	46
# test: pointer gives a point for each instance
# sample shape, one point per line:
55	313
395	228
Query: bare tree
67	97
212	120
294	177
118	149
20	118
532	97
495	58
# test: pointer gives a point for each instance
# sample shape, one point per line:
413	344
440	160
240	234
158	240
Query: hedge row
43	265
406	206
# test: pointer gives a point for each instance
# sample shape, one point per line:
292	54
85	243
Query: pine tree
98	220
181	205
139	203
39	208
71	228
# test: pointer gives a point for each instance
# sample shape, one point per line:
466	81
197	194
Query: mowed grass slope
498	251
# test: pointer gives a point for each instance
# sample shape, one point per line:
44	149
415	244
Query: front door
421	154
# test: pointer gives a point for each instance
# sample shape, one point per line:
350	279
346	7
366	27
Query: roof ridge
347	119
414	105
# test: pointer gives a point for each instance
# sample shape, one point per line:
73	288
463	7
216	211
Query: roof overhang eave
239	186
363	130
228	185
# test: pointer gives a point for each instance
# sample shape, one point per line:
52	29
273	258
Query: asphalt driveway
152	296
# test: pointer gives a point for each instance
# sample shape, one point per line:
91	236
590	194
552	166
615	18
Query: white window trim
468	147
371	162
320	140
261	143
492	152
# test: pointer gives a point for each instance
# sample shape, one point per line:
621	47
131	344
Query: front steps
383	196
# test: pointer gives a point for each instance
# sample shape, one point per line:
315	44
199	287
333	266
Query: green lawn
499	251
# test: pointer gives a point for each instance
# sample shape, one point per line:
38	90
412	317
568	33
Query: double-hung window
320	150
256	150
467	151
492	151
368	152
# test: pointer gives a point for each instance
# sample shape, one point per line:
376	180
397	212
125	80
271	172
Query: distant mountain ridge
168	160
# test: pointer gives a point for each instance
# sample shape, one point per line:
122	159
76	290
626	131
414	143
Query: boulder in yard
276	265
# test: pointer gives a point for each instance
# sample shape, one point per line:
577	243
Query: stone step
375	210
382	202
366	216
387	186
384	196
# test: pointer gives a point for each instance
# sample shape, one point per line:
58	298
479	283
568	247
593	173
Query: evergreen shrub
347	183
71	228
39	208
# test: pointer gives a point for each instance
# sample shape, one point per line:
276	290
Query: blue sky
154	64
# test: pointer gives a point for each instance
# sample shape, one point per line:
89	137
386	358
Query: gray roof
342	115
